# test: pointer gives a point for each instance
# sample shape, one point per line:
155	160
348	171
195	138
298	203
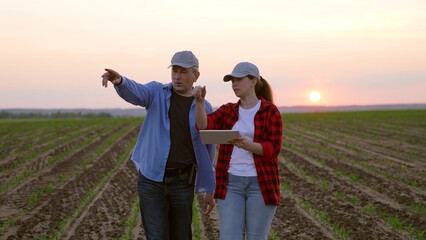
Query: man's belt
173	172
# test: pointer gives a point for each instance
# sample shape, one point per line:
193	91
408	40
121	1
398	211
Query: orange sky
353	52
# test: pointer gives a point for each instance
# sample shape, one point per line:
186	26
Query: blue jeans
166	207
243	209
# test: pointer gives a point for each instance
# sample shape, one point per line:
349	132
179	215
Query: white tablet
218	136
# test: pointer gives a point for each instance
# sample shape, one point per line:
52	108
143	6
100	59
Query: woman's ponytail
263	89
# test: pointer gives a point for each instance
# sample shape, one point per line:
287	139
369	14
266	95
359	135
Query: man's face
183	79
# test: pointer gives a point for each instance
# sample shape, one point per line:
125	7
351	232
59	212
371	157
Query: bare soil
334	186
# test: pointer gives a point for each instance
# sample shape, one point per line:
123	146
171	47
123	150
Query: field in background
345	175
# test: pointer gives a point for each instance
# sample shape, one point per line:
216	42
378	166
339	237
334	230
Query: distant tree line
9	115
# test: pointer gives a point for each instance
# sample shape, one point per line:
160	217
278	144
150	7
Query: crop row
44	201
347	175
344	187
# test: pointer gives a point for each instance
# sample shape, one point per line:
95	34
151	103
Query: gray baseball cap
185	59
243	69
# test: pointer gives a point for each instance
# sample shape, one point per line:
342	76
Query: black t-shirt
181	150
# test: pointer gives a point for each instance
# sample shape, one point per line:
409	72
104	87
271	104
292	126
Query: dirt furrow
409	173
40	143
397	190
292	222
64	200
17	196
139	232
385	147
210	222
13	142
107	214
40	161
337	212
351	191
350	144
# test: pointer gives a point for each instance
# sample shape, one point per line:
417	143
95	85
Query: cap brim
181	65
230	76
227	78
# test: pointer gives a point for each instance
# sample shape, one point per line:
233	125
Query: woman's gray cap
185	59
243	69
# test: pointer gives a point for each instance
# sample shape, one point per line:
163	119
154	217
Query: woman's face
243	86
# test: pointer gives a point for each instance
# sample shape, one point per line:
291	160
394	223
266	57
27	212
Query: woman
247	176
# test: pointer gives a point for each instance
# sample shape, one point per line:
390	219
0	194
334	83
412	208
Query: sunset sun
314	96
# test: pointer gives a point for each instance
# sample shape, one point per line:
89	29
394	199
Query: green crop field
344	175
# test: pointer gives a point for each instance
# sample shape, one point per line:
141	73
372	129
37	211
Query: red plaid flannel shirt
268	129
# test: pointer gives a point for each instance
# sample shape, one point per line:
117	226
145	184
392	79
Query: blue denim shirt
153	145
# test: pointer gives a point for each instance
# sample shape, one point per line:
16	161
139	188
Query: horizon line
279	106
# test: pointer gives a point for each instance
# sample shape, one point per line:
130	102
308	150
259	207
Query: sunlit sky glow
314	96
352	52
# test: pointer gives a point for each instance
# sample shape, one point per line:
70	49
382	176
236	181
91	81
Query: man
169	151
